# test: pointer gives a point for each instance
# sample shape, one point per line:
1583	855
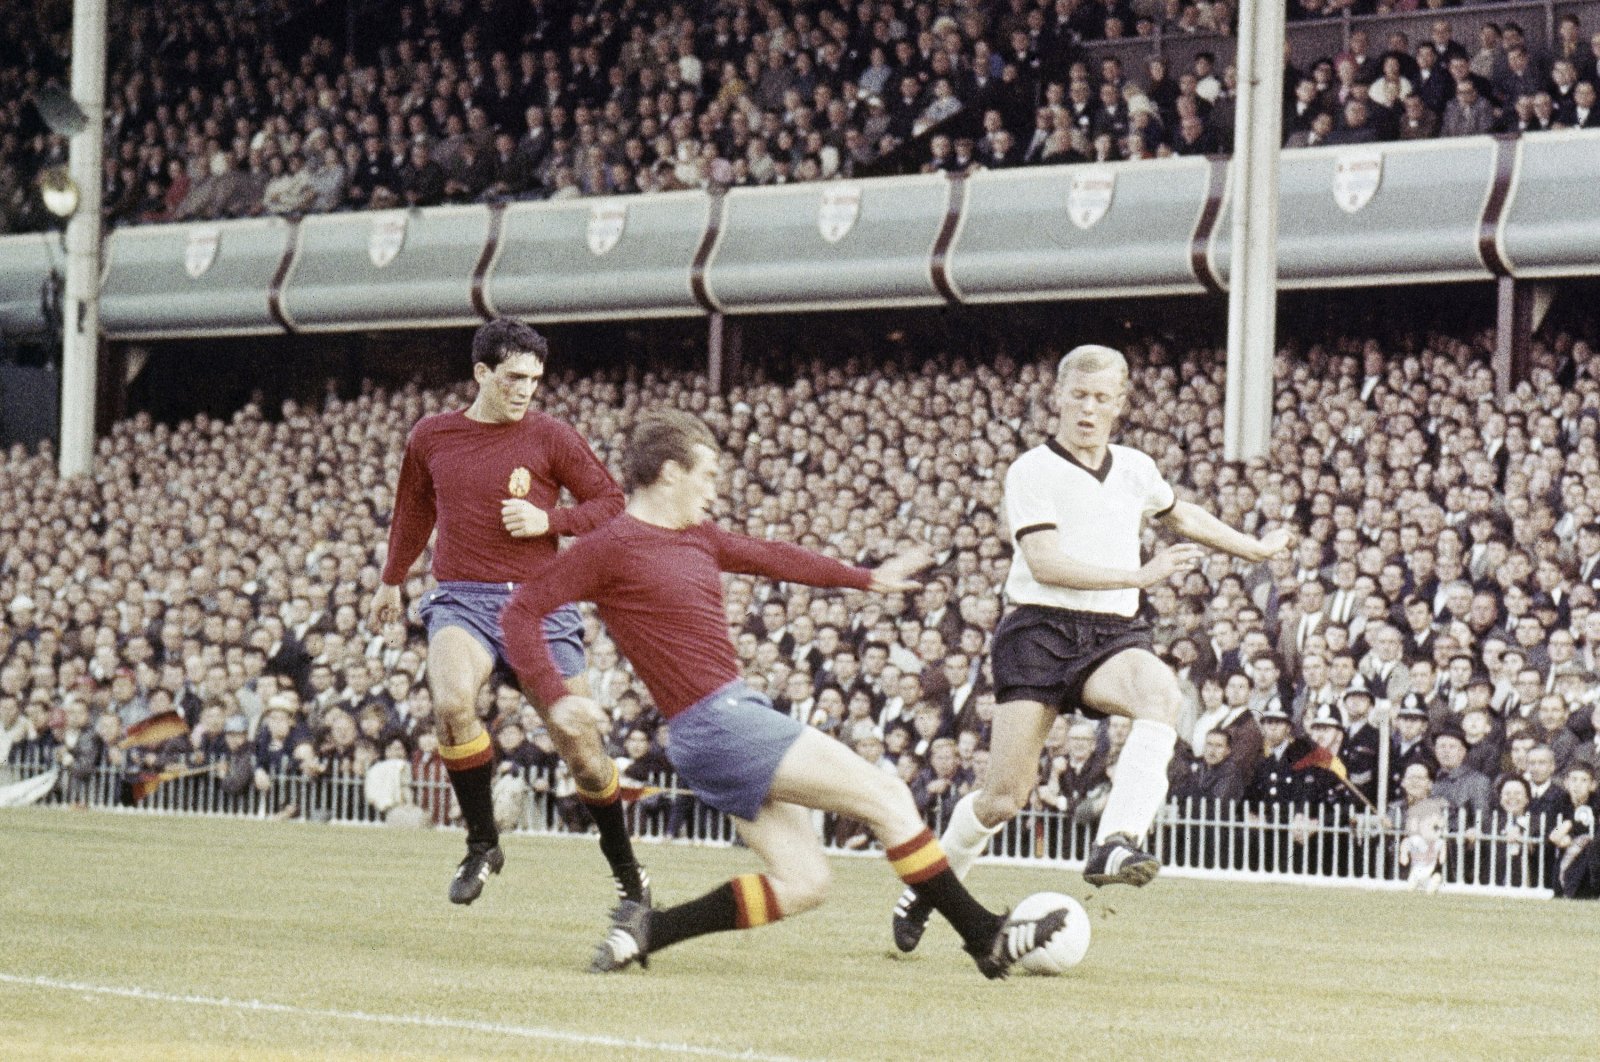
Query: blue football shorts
476	608
727	747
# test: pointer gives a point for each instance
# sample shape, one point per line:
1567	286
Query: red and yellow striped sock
755	901
742	903
921	864
605	809
471	769
606	794
919	859
474	752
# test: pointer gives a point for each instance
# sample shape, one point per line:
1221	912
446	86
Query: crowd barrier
1473	208
1229	841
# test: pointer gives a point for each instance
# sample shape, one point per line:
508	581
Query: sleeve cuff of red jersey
863	579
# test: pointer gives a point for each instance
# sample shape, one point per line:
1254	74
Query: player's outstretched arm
1197	525
1049	564
388	606
895	573
780	561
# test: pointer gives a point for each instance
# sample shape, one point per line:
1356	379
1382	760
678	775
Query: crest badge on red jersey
521	482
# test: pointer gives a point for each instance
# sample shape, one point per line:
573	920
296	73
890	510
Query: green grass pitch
133	937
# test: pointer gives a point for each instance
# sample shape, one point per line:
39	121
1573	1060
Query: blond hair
1091	357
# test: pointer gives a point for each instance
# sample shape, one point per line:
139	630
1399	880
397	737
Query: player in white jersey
1071	640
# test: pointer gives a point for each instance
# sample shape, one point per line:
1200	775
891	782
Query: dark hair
506	337
1507	779
661	436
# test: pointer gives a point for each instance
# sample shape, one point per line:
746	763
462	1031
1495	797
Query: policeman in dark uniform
1360	748
1270	791
1409	742
1317	780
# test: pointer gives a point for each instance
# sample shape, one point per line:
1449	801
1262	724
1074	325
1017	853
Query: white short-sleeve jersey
1098	513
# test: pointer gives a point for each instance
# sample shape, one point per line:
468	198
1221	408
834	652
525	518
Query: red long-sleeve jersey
660	595
457	471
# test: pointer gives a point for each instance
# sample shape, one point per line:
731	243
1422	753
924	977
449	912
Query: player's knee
566	722
1159	701
455	708
1001	804
805	886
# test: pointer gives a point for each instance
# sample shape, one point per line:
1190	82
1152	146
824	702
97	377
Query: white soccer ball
1064	950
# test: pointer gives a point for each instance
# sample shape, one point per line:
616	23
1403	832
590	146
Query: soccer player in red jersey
489	478
656	573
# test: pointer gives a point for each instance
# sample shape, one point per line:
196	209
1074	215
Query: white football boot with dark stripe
1119	861
627	942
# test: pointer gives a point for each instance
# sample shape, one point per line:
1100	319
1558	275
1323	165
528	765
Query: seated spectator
288	189
422	180
1320	132
1468	114
1581	112
1417	121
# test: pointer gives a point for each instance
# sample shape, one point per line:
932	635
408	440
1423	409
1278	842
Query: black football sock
743	903
471	769
921	864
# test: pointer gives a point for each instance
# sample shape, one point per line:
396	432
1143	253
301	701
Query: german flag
156	730
149	781
1321	757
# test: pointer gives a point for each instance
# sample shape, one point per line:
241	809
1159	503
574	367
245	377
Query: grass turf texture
330	919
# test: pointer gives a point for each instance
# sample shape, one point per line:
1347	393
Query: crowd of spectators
1444	578
227	108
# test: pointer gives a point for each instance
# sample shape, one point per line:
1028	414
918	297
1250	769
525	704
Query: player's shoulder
1037	459
549	427
434	425
1132	460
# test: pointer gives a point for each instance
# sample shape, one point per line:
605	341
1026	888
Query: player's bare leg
458	666
577	729
819	772
1020	729
822	773
1134	683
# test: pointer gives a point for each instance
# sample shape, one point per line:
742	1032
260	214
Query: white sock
1140	787
965	839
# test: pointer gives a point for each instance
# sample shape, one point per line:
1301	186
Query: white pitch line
526	1032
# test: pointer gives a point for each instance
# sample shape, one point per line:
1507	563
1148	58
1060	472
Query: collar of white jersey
1062	452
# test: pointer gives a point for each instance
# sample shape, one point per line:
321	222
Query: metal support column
1520	308
715	368
80	355
1253	270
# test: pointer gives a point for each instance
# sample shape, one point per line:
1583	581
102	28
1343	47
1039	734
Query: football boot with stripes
627	942
1119	861
1015	938
481	861
911	916
633	883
